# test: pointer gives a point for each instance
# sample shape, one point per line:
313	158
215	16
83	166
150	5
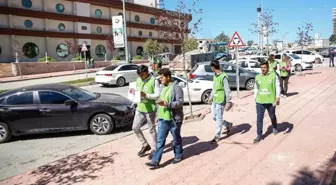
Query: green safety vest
266	88
283	72
165	95
147	87
272	65
218	88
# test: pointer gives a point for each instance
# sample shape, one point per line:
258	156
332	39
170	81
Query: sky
232	15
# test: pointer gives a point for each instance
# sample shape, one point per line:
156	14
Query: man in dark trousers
267	97
332	54
170	117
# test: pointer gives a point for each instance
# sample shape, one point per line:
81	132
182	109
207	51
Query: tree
250	42
267	25
304	37
110	44
151	47
289	45
176	23
17	53
72	46
222	37
190	44
332	38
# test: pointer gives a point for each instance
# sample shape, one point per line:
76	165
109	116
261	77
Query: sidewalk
299	154
47	75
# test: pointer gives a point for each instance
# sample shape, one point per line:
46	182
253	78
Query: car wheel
249	85
5	133
298	67
101	124
121	82
205	96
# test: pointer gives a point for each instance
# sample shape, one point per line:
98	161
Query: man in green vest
145	111
285	69
170	116
267	96
273	65
220	97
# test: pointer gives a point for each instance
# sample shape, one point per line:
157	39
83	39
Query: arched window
27	3
165	49
100	51
98	13
62	51
28	24
139	51
140	33
30	50
99	29
137	18
60	8
152	20
61	26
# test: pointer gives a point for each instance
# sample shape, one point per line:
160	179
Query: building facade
203	44
36	28
334	20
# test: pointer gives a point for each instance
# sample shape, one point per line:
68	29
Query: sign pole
125	32
237	71
86	75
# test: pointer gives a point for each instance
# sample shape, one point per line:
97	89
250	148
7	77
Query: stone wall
5	70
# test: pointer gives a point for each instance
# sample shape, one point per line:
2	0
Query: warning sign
236	41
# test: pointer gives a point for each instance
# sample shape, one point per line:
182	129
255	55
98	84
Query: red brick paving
299	154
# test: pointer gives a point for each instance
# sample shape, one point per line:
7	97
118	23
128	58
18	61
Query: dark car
59	107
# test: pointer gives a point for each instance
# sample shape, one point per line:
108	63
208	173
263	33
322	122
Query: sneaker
275	131
175	161
214	140
257	139
285	96
153	165
143	150
229	128
150	156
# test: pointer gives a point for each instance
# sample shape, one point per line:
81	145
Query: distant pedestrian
267	97
285	68
220	96
273	65
332	54
145	111
170	117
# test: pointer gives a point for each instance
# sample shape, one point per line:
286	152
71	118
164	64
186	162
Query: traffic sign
236	41
84	48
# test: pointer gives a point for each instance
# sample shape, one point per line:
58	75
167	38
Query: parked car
118	75
251	51
259	58
165	57
296	64
59	107
307	55
202	71
325	51
249	65
199	89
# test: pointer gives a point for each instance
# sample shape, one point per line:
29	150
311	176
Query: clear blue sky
237	15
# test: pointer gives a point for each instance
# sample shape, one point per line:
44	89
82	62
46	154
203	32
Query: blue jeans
217	115
163	130
260	116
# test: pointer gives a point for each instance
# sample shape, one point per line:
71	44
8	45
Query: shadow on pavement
284	127
292	94
72	169
185	141
238	129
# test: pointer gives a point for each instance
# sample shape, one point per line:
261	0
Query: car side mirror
182	84
70	103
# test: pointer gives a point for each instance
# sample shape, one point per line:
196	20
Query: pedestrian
220	97
267	96
332	54
285	68
273	65
170	118
145	111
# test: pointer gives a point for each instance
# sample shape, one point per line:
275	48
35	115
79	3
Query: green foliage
190	44
49	59
138	57
222	37
151	47
332	38
117	57
250	42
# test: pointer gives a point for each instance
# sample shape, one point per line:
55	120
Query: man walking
332	54
272	63
170	116
145	111
267	96
285	69
221	96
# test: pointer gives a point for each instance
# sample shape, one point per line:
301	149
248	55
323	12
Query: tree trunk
187	77
301	60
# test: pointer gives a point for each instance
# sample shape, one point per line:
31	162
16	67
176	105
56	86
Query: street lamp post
259	10
125	32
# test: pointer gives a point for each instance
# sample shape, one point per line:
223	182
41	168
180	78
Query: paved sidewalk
299	154
47	75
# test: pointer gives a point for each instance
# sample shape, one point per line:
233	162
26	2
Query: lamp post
259	10
125	32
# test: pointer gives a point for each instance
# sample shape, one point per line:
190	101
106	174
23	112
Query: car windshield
294	56
184	79
80	94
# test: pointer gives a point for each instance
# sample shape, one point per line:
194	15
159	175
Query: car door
21	112
244	64
230	70
308	56
255	66
185	91
55	114
134	69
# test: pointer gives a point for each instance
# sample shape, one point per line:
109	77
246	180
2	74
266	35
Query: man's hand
228	106
143	95
163	103
277	102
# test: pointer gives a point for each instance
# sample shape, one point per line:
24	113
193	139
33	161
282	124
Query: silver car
202	71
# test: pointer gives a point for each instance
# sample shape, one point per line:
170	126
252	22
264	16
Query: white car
296	64
307	55
165	57
248	64
259	58
200	90
251	51
117	75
